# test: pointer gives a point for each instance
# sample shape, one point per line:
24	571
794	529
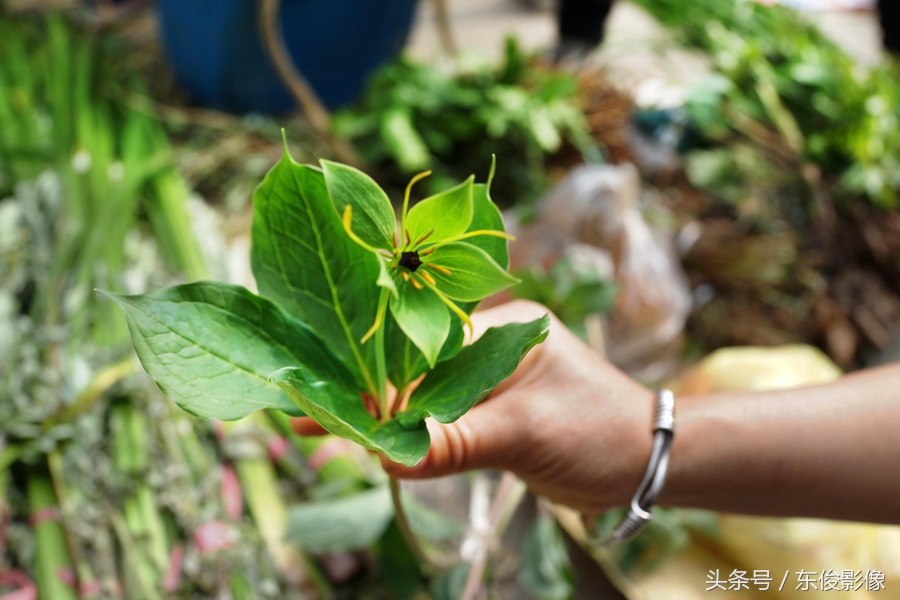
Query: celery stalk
52	551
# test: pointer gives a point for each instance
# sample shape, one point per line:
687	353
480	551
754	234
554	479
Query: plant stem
398	399
102	382
141	579
445	30
142	515
52	553
408	534
384	406
55	470
506	499
259	485
303	93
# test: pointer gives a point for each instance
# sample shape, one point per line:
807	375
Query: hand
577	431
568	423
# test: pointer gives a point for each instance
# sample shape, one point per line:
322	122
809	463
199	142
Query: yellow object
752	368
809	554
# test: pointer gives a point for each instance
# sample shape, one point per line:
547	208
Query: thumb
483	438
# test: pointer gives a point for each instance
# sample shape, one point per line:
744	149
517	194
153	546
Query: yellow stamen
371	331
427	277
379	318
415	283
440	269
452	306
347	221
404	275
423	238
426	252
405	210
490	232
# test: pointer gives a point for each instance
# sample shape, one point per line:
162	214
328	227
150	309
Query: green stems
386	409
431	565
52	551
405	528
259	486
384	406
143	524
102	382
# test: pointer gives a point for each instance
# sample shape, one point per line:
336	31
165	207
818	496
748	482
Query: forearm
825	451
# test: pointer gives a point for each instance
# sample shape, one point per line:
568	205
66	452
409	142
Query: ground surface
633	40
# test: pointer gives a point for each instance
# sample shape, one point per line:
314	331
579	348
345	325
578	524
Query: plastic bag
599	206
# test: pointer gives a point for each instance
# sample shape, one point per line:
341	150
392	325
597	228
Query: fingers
488	436
485	437
306	426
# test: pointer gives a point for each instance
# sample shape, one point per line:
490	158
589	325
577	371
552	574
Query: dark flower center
410	260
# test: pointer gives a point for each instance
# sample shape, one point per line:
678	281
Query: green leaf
341	524
451	584
543	129
403	141
423	317
373	216
456	385
406	362
473	274
384	279
442	216
430	523
339	409
211	346
488	217
399	569
319	525
303	259
546	570
357	521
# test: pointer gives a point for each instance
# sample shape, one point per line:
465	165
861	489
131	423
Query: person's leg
580	27
889	16
583	20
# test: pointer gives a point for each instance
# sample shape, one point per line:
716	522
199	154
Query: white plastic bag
599	206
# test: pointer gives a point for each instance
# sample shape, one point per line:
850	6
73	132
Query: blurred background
705	191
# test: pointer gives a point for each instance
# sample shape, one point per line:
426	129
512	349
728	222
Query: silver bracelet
638	515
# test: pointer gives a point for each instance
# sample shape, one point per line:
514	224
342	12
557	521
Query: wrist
710	452
638	514
686	456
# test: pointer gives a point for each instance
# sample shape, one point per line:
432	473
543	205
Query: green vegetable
331	265
546	568
416	116
784	91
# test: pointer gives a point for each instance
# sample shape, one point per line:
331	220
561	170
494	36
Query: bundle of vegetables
787	92
417	116
105	490
798	163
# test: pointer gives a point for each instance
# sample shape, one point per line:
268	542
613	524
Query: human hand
578	431
568	423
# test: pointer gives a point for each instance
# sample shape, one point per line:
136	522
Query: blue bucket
218	57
